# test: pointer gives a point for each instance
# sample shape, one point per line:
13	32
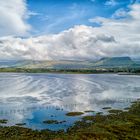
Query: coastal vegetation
75	71
116	125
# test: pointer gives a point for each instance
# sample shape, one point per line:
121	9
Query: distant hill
115	62
60	64
8	63
108	62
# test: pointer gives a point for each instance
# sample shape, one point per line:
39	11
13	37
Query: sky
69	29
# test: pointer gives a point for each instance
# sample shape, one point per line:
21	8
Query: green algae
20	124
99	113
115	111
126	108
74	113
106	108
4	121
89	111
53	122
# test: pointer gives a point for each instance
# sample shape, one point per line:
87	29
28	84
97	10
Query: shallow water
33	98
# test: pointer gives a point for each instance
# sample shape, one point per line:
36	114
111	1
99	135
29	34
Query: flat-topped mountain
115	62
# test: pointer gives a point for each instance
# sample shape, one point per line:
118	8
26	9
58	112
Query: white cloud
111	3
13	16
115	37
120	13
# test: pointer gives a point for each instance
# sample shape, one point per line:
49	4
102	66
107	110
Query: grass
117	125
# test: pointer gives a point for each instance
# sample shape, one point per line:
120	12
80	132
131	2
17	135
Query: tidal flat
67	106
117	125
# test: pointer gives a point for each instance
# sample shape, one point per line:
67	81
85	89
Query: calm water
33	98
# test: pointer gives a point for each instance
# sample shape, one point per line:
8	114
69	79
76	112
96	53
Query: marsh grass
74	113
117	125
4	121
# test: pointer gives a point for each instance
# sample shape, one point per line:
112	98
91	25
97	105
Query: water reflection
32	98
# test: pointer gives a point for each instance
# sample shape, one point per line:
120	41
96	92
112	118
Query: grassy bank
72	71
116	125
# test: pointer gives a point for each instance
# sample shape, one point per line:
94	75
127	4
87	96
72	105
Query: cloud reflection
25	95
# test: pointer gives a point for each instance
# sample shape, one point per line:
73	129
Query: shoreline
119	71
69	71
137	74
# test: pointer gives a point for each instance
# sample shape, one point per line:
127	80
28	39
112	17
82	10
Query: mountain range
107	62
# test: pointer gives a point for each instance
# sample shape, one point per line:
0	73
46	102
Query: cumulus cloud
114	37
13	16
